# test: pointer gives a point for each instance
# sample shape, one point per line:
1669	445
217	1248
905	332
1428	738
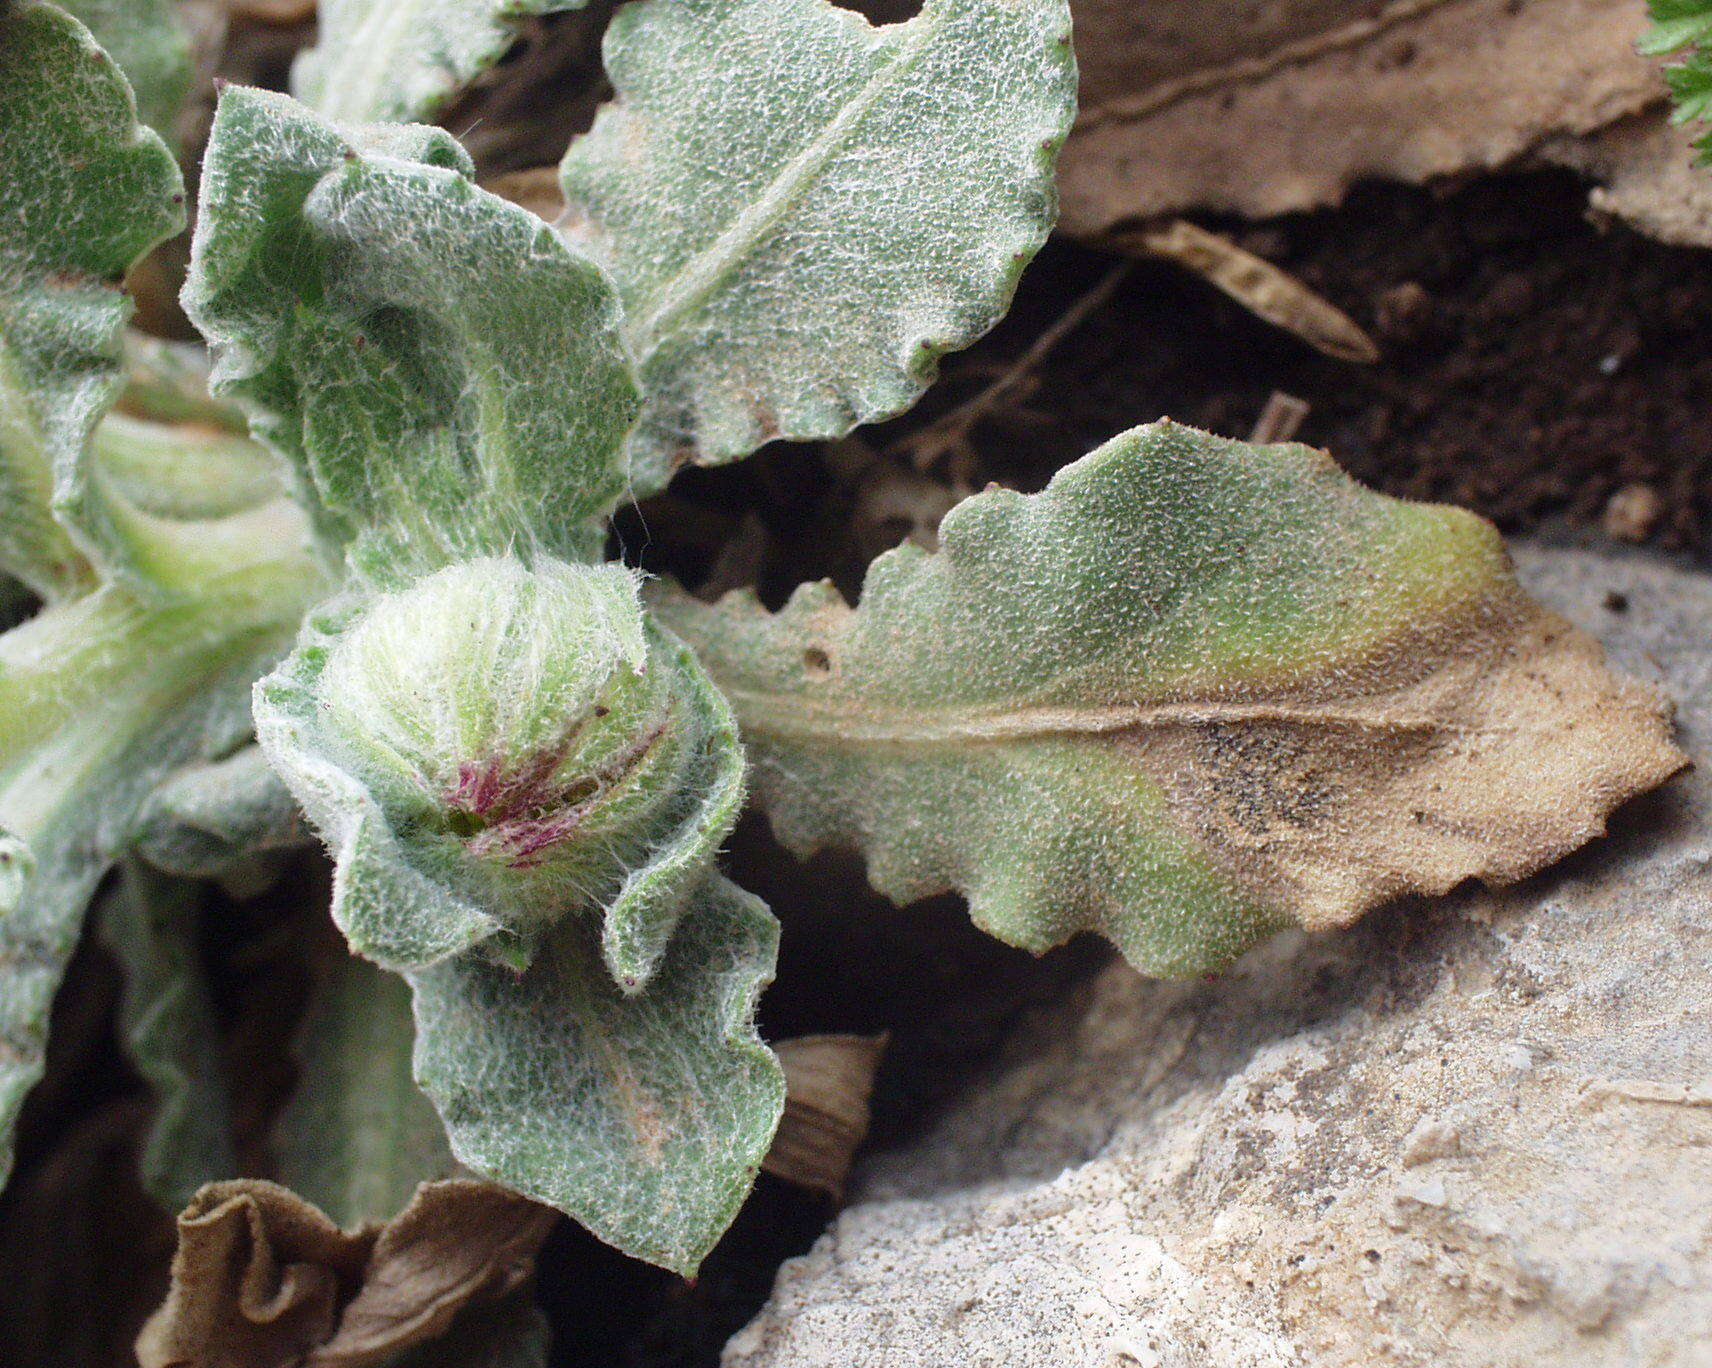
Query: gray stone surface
1469	1133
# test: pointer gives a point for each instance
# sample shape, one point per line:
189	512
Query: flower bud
533	746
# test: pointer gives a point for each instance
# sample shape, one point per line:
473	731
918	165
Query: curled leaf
84	191
447	394
1192	691
645	1117
795	254
263	1279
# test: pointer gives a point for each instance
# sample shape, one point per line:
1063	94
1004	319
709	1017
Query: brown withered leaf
828	1080
263	1279
1259	108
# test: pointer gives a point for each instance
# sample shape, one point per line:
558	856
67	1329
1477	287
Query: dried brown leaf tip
828	1080
262	1279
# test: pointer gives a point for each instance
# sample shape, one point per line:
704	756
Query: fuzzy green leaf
358	1136
443	369
1192	691
167	382
804	212
169	1031
1681	24
209	820
84	191
102	697
644	1117
401	60
151	43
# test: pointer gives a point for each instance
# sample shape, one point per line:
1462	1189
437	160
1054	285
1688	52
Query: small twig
951	430
1266	290
1280	420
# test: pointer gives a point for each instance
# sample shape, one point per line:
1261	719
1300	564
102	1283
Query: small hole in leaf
817	662
878	12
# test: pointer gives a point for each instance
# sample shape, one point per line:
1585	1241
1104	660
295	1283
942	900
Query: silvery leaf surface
85	190
399	61
803	211
409	891
152	45
645	1117
442	370
101	698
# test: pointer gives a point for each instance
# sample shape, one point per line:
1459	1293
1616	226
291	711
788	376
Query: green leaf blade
215	820
152	45
1679	24
100	699
795	254
170	1033
358	1136
84	191
1192	691
400	61
644	1117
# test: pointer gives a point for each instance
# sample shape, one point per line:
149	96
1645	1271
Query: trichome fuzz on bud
530	744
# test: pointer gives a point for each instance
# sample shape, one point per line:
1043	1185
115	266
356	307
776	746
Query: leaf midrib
781	717
699	277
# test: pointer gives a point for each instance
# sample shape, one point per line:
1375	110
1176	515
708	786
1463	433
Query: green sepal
408	892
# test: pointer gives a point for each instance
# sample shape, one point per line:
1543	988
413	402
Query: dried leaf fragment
1263	109
828	1080
262	1279
1264	289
